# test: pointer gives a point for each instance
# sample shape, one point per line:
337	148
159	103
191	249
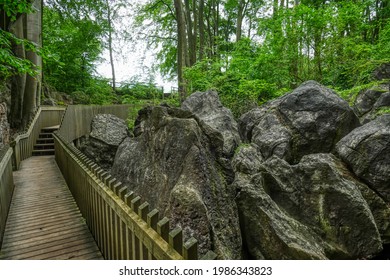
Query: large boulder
107	133
109	129
207	107
175	162
382	72
49	102
370	101
366	150
311	119
312	210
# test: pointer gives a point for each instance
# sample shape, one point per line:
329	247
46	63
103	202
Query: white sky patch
132	59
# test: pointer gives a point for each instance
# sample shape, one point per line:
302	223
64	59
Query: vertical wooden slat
116	187
128	198
113	230
101	229
134	246
107	230
142	213
152	219
135	203
190	249
163	228
122	192
129	244
176	239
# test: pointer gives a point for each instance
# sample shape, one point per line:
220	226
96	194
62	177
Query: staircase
45	143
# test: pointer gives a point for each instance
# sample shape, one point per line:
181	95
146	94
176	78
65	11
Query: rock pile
297	178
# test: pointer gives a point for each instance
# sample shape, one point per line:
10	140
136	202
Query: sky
132	58
132	63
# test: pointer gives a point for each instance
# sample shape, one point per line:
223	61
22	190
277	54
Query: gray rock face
107	132
49	102
382	72
109	129
311	210
175	163
4	125
311	119
207	107
368	102
366	150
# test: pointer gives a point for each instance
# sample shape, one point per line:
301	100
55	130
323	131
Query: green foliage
73	46
9	63
383	111
133	111
139	90
337	43
155	24
138	104
351	94
99	92
236	77
13	8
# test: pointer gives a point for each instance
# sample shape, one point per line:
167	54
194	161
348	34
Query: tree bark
110	49
201	30
195	28
180	48
190	34
18	83
240	18
33	84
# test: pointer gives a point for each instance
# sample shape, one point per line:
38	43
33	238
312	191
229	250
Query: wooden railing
6	186
122	226
23	143
22	147
120	221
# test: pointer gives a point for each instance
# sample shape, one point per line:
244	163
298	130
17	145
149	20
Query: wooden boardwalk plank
44	221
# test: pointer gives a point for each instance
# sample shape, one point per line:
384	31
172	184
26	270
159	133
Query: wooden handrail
120	225
6	187
23	143
121	222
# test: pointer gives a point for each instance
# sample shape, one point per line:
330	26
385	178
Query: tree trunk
195	28
190	34
317	56
18	83
201	30
242	5
275	8
181	41
33	84
110	45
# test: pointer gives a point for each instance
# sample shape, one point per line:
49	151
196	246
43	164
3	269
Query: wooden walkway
44	221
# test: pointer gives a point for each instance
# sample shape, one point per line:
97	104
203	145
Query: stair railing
23	143
6	187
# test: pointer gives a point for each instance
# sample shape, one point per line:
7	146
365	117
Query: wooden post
176	239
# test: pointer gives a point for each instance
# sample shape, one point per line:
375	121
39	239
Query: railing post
121	222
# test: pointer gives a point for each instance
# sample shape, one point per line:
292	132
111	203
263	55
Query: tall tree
110	47
24	20
181	48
